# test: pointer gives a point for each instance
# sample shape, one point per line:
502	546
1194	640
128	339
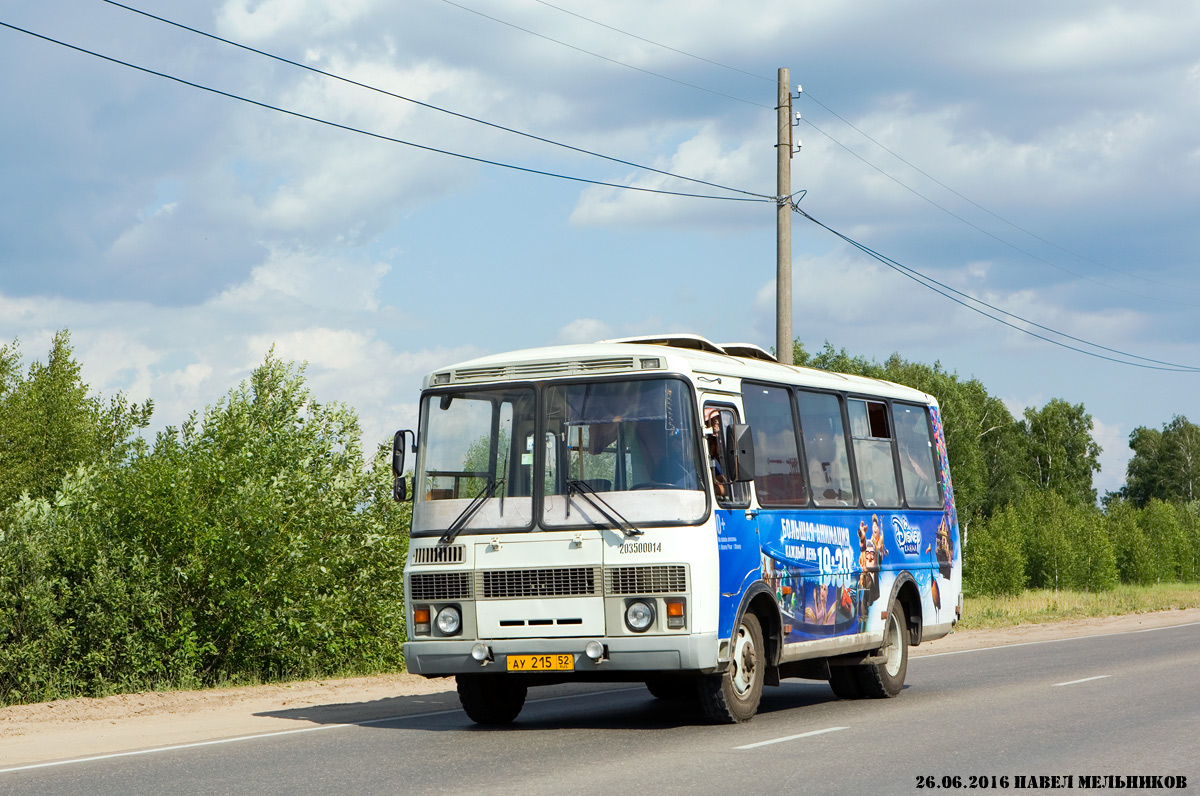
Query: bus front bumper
675	653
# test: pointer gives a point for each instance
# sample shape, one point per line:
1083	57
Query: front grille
612	363
646	580
430	586
479	374
442	554
499	584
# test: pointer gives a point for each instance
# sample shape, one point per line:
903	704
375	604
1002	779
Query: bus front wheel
733	696
491	698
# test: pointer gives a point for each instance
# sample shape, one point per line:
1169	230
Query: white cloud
707	155
584	330
271	18
305	277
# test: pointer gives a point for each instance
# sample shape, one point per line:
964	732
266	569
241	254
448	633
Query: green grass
1041	605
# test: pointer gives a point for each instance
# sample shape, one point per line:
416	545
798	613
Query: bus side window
825	449
876	466
914	442
778	475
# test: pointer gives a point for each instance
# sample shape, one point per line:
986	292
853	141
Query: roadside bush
1065	544
993	561
252	543
79	609
1135	559
1189	523
1159	521
257	516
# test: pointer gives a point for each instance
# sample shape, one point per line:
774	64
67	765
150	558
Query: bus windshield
474	443
625	450
634	443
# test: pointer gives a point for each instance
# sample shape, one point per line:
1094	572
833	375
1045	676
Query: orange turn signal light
421	626
676	614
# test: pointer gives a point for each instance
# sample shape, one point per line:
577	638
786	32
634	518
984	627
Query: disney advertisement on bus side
830	569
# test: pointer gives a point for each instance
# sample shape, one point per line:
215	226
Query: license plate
541	663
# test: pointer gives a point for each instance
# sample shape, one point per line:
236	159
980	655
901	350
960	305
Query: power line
809	96
991	235
370	134
655	43
946	291
428	105
606	58
991	213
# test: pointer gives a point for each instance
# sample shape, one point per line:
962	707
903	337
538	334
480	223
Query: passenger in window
823	472
712	419
917	464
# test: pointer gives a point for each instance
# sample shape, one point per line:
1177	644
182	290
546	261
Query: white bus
665	510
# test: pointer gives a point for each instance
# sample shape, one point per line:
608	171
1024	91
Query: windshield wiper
476	503
584	490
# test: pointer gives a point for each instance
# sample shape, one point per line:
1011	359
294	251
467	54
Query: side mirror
400	446
739	452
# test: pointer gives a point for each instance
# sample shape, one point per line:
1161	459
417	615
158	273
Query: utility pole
783	223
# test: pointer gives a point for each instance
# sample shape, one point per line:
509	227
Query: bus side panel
833	570
740	563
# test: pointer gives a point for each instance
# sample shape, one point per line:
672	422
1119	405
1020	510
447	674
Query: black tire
672	688
877	680
733	696
491	698
845	682
884	680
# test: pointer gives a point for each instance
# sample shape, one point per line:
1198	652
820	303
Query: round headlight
639	616
449	621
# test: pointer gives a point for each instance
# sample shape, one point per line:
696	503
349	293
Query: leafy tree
1065	543
1189	523
258	513
993	558
1169	546
1165	464
50	424
251	542
1135	558
1060	452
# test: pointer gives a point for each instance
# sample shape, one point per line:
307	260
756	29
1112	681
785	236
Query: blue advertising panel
740	563
830	568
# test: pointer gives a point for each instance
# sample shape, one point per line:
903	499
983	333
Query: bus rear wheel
733	696
884	680
877	680
491	698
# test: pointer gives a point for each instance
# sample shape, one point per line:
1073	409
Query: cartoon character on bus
872	550
820	611
944	548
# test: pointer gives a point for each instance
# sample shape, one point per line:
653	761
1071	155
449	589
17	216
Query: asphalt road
1117	705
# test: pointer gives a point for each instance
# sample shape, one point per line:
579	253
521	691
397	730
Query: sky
1043	158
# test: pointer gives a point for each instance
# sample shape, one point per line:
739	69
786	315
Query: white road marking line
1048	641
1084	680
279	733
791	738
